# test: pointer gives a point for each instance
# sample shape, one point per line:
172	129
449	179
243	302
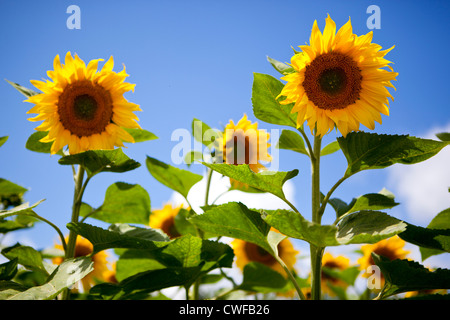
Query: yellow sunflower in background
338	80
391	248
84	247
164	219
338	263
244	143
247	252
82	108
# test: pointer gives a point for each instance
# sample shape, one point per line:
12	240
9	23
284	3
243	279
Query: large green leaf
266	107
258	277
267	181
358	227
176	179
141	135
124	203
8	188
365	151
23	209
434	239
235	220
291	140
405	275
8	270
26	256
96	161
65	275
120	236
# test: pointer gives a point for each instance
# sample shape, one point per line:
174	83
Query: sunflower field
324	102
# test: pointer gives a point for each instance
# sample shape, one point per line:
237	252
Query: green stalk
78	193
316	252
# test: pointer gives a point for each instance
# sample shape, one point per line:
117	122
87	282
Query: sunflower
247	252
332	263
391	248
164	219
244	143
339	81
84	247
82	108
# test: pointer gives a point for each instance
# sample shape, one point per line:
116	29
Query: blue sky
196	59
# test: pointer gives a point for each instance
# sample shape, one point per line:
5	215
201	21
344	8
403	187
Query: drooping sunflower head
391	248
332	263
83	108
339	81
84	247
247	252
244	143
164	219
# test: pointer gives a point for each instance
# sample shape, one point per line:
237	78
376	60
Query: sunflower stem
77	197
316	252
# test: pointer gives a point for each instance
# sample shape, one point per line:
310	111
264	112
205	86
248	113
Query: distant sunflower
244	143
338	263
338	80
164	219
247	252
82	108
391	248
84	247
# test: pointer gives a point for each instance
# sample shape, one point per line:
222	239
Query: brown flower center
85	108
258	254
332	81
168	226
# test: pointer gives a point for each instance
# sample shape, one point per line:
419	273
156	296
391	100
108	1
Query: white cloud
423	188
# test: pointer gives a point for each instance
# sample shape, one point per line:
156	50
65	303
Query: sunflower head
83	108
332	263
391	248
338	81
247	252
84	247
164	219
244	143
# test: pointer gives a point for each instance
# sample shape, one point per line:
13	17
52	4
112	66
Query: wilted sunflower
247	252
164	219
83	108
391	248
338	80
84	247
244	143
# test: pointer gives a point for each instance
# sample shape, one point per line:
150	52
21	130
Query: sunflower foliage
195	253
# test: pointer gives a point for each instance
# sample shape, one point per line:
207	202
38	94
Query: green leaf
291	140
267	181
120	237
96	161
203	133
405	275
10	288
444	136
23	209
265	104
359	227
365	151
8	269
348	275
34	144
25	91
235	220
434	239
258	277
66	274
140	135
8	188
371	201
176	179
3	140
193	156
281	67
124	203
330	148
26	256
